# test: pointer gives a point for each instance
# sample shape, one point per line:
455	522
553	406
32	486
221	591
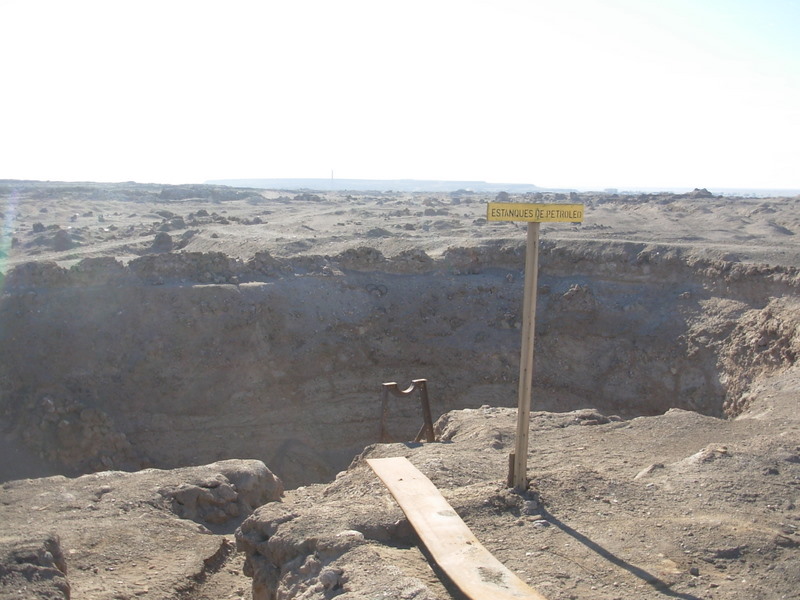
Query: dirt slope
674	506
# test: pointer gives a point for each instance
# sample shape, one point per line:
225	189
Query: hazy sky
568	93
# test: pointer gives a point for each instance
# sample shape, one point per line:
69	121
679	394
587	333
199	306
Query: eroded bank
184	359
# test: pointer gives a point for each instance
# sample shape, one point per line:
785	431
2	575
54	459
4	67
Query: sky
585	94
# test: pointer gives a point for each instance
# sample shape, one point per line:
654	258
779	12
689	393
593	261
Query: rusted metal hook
419	385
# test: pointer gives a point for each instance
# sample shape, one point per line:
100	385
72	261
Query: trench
106	366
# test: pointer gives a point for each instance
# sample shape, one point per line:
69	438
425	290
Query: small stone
351	533
648	470
530	507
694	572
329	577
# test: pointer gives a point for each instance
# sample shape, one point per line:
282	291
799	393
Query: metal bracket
419	385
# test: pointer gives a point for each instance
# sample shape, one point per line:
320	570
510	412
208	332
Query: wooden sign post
533	214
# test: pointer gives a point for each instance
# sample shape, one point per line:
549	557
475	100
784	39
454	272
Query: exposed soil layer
287	368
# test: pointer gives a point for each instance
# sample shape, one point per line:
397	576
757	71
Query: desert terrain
174	357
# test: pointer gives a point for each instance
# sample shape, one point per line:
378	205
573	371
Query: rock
530	507
224	491
700	193
378	232
541	523
648	470
62	241
185	238
162	242
709	454
172	223
330	577
36	566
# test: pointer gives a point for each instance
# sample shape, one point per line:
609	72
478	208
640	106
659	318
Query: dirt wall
183	359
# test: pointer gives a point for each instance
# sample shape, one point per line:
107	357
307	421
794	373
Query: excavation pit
149	364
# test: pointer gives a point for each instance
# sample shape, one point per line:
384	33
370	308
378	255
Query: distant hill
379	185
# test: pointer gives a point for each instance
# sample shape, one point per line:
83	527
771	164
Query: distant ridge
378	185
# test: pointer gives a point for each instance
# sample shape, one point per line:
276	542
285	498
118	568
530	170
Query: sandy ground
675	506
78	221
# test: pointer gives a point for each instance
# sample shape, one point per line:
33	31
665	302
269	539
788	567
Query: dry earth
167	326
149	534
674	506
124	220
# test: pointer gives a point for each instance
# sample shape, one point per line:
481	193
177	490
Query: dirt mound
124	535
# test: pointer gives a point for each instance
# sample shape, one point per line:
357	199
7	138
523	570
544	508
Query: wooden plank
468	564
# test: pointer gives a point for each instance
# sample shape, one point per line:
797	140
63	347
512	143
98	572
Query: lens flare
7	233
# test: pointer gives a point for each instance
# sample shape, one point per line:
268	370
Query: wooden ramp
470	566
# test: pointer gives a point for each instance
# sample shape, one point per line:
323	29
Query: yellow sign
535	213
